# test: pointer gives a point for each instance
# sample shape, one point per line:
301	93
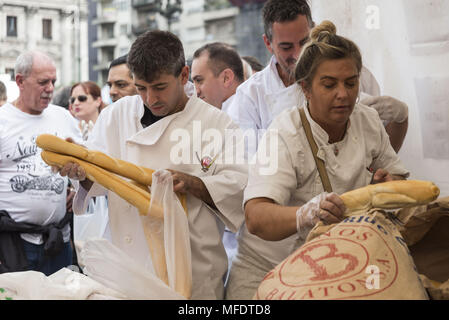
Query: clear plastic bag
92	224
169	243
113	268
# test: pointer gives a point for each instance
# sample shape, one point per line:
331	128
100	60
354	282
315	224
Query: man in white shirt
29	191
217	71
259	100
142	129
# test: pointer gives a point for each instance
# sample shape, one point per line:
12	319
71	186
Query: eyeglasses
80	98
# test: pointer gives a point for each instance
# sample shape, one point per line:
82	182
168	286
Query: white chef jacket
365	145
119	133
225	107
264	96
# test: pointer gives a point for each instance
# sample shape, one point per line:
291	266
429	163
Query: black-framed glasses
81	98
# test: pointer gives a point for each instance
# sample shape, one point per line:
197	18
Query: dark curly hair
156	52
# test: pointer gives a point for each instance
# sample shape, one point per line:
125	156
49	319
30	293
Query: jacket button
128	239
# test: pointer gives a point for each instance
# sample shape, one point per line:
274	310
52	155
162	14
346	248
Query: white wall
406	46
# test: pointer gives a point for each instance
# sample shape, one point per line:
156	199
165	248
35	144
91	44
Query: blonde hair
324	44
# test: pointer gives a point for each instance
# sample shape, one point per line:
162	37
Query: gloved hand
327	207
389	109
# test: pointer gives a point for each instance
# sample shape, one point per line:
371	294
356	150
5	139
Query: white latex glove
308	214
389	109
327	207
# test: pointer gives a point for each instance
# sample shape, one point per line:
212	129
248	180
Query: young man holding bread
145	130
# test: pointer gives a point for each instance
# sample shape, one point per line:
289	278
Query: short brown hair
156	52
284	11
222	56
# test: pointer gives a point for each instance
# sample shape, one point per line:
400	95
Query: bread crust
133	194
390	195
123	168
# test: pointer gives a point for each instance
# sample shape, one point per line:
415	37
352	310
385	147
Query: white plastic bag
169	239
113	268
93	223
169	244
62	285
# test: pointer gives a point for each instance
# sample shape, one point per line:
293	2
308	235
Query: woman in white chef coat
351	141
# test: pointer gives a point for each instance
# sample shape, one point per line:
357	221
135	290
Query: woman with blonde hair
352	145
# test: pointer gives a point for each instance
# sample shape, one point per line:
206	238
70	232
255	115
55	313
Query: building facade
56	27
195	22
113	23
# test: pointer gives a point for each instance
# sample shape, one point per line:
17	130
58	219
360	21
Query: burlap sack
363	257
426	232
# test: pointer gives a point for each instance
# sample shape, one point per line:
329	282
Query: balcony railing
146	5
140	28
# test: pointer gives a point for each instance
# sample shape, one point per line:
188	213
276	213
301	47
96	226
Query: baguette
390	195
133	194
123	168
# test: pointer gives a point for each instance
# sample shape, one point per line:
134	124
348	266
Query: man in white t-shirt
29	191
217	71
259	100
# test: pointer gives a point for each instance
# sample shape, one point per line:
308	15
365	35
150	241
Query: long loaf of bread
390	195
132	193
123	168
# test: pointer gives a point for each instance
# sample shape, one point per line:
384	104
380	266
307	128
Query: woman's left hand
332	209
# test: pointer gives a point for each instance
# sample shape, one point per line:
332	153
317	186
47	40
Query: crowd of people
242	221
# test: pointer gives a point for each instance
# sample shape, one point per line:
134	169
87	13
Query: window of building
11	72
108	31
11	26
46	29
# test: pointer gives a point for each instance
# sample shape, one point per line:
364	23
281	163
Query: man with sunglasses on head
29	191
157	129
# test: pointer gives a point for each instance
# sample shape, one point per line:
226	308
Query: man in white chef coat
217	71
259	100
162	128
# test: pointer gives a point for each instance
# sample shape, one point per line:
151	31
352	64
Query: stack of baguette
102	169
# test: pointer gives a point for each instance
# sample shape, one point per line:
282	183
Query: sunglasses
81	98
